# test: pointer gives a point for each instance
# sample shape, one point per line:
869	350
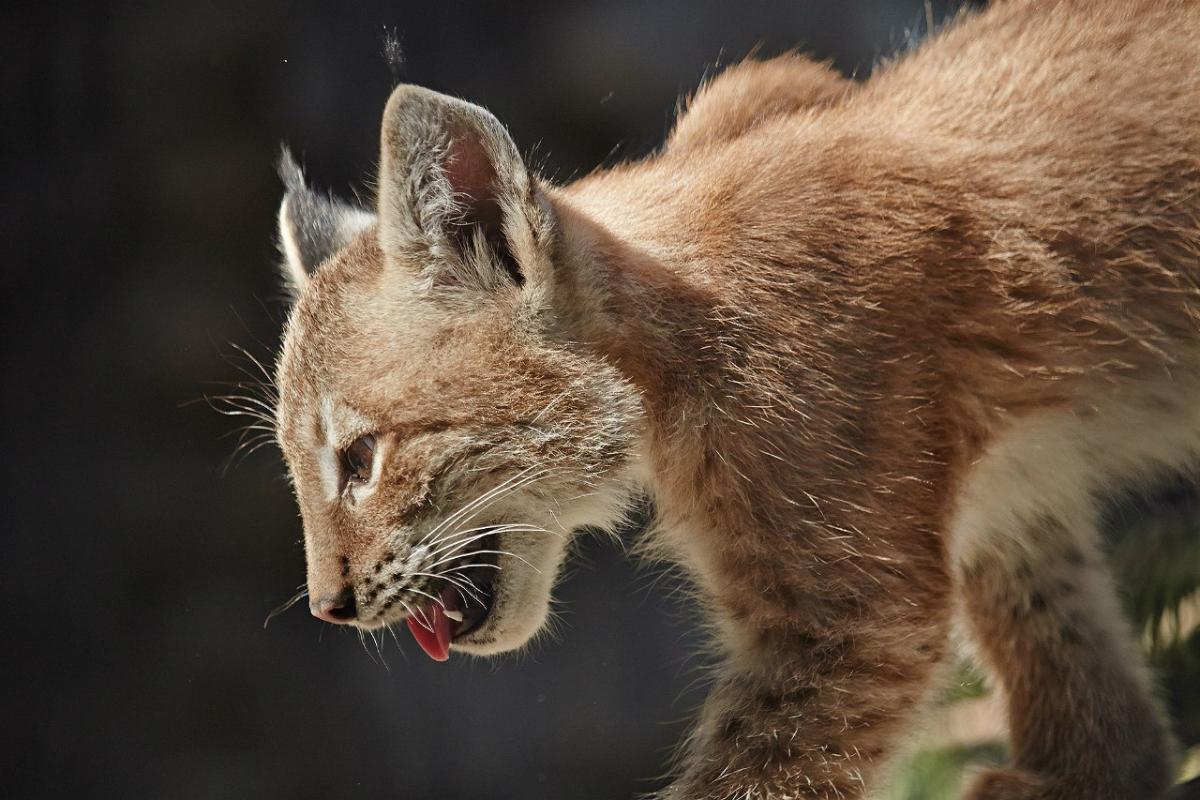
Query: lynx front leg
813	711
1082	722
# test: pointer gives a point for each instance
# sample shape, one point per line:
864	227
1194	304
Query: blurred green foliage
1154	546
937	773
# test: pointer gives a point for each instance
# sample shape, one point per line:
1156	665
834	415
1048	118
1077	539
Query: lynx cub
873	349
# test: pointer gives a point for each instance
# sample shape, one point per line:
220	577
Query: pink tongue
435	642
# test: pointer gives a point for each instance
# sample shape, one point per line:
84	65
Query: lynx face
443	432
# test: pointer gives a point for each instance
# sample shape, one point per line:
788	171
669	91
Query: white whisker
472	509
456	581
437	600
453	518
285	605
419	616
456	545
509	554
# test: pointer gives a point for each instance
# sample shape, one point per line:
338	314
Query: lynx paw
1009	784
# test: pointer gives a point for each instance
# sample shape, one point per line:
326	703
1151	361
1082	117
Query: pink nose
338	610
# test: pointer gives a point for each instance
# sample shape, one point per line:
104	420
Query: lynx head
443	429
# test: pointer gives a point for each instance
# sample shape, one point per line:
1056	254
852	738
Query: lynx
875	350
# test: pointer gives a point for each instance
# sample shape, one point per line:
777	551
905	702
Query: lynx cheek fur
875	350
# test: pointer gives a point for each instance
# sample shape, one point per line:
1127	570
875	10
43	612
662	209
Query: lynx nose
338	610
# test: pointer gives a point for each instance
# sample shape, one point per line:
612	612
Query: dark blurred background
138	255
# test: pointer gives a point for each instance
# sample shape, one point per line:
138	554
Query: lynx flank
874	350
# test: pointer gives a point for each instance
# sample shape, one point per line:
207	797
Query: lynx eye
358	458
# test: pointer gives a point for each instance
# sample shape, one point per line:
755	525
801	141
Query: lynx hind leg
747	94
1081	718
1043	613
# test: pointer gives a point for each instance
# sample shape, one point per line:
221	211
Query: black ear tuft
393	54
312	226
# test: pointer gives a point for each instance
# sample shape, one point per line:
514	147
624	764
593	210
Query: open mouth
464	600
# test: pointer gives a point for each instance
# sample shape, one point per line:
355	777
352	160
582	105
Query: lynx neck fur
875	350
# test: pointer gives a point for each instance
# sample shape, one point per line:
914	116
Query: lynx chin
874	350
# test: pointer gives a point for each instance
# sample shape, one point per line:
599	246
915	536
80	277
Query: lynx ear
453	187
312	226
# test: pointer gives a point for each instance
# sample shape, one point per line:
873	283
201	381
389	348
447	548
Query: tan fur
752	93
874	351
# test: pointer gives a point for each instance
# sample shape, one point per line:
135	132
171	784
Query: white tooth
454	614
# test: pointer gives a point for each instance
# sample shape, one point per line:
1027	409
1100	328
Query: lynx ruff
874	349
